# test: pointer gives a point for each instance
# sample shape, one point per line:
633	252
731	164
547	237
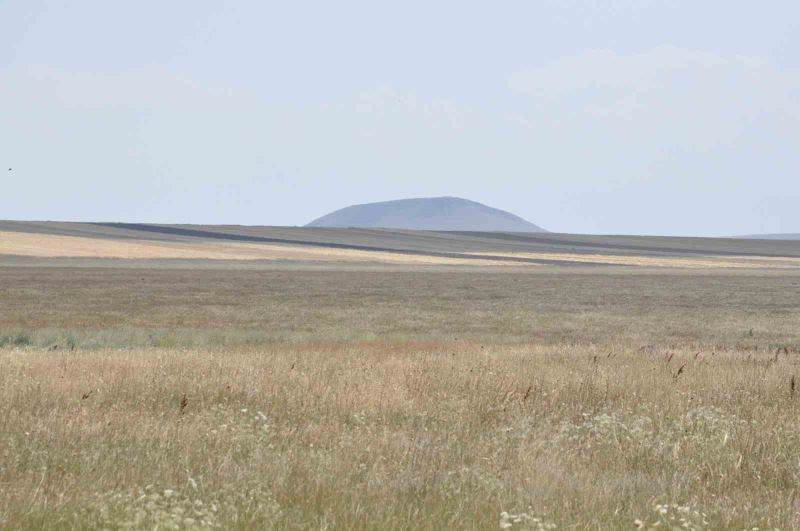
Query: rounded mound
433	213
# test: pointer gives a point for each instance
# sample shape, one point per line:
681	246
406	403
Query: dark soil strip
160	229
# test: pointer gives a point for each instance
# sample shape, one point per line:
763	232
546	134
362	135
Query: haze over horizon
626	117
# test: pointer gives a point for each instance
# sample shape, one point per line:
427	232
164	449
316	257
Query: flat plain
193	377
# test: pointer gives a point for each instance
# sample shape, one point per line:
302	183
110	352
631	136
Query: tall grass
398	435
197	399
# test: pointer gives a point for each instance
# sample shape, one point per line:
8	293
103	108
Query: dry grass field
209	395
55	246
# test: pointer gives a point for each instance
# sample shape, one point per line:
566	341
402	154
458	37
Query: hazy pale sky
606	116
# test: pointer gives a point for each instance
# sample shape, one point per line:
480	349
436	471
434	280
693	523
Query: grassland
55	246
236	395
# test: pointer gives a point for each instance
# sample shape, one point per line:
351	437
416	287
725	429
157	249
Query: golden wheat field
214	395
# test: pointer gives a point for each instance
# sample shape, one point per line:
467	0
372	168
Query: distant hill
432	213
771	237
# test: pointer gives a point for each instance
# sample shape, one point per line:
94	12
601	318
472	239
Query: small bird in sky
9	169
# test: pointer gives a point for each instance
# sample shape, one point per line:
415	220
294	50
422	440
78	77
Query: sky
612	117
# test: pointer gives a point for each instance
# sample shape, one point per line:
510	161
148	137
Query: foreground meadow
387	435
408	400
